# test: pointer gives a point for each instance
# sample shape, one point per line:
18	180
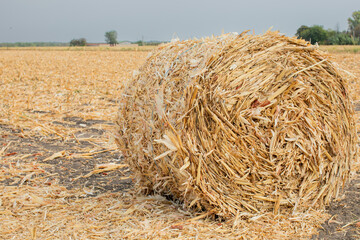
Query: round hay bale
239	124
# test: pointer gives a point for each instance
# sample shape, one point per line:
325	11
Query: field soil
62	176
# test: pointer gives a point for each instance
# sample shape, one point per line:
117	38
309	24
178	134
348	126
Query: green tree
82	41
301	30
356	31
314	34
111	38
354	24
339	38
78	42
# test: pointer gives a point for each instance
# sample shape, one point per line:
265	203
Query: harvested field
62	176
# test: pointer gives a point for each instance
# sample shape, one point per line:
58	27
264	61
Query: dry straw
239	125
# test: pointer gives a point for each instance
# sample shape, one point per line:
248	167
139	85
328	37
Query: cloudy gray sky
63	20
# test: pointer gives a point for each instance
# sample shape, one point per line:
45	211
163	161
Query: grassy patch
341	48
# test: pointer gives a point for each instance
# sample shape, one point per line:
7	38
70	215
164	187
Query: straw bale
239	125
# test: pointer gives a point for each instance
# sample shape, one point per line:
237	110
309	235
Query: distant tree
314	34
301	30
354	24
148	43
111	38
139	43
73	42
339	38
78	42
356	31
82	41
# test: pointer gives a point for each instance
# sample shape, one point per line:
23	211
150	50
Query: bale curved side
239	124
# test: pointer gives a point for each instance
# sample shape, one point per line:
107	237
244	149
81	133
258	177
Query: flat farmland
62	176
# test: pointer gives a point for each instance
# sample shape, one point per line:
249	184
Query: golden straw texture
239	125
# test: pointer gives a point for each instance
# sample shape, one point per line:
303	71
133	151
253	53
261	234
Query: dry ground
61	176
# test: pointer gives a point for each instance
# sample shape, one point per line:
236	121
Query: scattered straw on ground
40	88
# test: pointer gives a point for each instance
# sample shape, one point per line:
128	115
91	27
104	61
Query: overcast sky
63	20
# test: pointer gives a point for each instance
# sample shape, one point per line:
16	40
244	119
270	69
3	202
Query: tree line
34	44
78	42
317	34
111	39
